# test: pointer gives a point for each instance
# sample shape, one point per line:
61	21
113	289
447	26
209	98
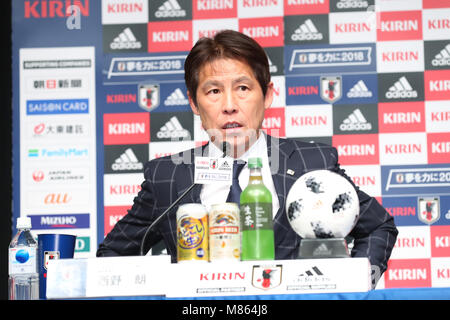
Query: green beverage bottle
256	217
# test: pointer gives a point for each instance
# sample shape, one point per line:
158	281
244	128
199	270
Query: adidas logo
442	58
127	161
173	130
170	9
125	40
272	68
401	89
355	121
176	98
352	4
313	272
359	90
322	250
307	31
225	165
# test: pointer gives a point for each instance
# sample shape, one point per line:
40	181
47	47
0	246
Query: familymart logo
58	153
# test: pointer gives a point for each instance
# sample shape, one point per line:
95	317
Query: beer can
192	233
224	235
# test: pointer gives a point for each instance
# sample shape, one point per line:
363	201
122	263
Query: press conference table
379	294
340	279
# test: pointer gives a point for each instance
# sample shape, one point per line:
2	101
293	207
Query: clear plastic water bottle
23	282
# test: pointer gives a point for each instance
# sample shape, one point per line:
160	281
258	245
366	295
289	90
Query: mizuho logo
49	221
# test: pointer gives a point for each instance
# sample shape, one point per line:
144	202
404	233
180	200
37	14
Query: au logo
267	277
57	198
149	96
331	88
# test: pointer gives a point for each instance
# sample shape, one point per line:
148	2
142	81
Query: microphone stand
225	148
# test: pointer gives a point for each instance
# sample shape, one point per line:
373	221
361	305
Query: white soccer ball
322	204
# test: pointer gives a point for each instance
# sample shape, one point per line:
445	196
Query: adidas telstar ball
322	204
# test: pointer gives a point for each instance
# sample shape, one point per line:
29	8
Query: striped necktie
235	190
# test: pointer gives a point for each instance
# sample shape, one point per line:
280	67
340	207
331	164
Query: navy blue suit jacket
167	178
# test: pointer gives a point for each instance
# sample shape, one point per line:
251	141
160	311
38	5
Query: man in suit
229	87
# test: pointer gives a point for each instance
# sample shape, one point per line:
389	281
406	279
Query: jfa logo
267	277
429	211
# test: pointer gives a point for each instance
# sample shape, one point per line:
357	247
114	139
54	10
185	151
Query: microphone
225	150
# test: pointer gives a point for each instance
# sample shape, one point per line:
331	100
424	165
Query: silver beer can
224	232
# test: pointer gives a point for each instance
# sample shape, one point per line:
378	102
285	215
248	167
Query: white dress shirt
218	193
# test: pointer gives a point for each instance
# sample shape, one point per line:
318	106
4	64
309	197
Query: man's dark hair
226	44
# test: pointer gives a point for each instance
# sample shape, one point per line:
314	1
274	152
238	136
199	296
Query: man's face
231	103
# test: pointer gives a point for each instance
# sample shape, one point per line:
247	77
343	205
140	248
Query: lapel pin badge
290	172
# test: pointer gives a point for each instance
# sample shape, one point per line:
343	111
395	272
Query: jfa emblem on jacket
266	277
331	88
429	211
148	96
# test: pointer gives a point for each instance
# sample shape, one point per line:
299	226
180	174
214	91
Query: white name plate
269	277
108	276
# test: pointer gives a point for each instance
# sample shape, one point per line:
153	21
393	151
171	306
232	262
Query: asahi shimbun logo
331	88
149	96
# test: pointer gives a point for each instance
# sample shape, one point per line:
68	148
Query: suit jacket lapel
285	170
184	176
